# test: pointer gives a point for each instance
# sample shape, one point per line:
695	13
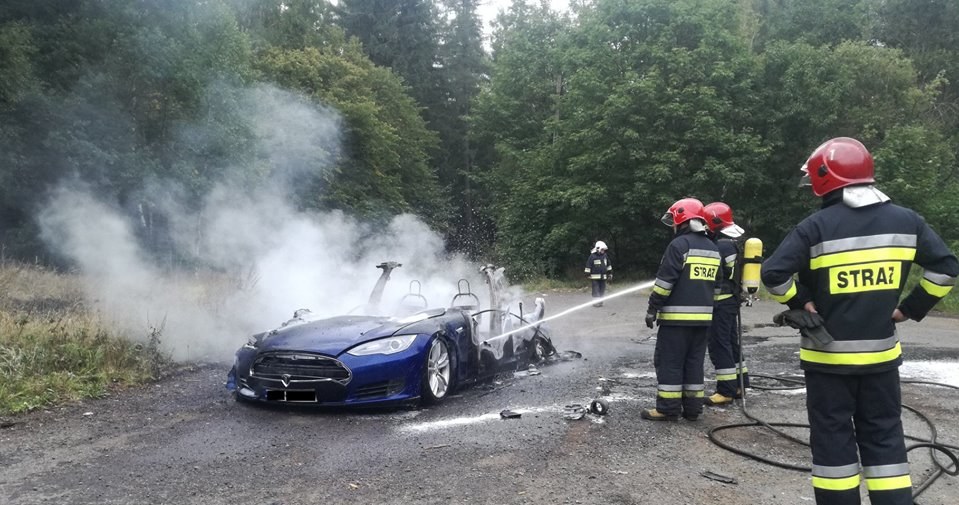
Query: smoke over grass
247	257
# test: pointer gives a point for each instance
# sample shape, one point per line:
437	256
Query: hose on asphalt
931	442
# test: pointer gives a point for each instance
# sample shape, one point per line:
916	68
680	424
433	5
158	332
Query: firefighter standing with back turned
852	258
724	345
682	301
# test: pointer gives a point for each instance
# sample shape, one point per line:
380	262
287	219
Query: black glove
809	324
650	319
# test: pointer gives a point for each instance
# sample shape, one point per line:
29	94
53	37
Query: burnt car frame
371	359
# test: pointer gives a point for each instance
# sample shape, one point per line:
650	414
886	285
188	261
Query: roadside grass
54	350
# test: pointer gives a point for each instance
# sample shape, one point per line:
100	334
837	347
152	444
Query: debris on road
510	414
719	477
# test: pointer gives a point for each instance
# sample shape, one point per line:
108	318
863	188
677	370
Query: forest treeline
563	128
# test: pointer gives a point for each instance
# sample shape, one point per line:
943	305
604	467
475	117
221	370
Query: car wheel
437	372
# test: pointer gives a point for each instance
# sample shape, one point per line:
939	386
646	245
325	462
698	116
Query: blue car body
314	361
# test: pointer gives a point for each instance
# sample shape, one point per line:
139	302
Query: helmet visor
805	181
667	219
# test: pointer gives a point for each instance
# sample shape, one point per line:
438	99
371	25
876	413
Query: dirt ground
185	440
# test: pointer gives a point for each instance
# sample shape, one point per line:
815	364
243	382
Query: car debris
574	411
725	479
510	414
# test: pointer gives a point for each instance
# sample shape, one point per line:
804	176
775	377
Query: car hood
328	336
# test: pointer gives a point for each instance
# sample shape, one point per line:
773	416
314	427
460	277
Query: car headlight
389	345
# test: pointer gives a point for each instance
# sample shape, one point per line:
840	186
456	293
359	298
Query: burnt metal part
599	407
719	477
510	414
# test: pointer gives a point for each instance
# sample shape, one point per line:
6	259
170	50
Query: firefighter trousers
850	414
678	359
724	349
599	288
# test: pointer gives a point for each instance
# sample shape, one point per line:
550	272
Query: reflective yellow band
670	394
841	484
684	316
725	377
863	256
661	291
935	289
722	297
702	260
693	394
889	483
850	358
791	292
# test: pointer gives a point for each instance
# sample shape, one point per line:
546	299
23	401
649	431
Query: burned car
421	356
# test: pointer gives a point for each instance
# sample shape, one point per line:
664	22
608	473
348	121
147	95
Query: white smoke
262	259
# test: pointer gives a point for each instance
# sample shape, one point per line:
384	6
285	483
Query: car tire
437	382
541	350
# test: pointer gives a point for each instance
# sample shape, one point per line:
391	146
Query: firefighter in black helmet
852	259
682	302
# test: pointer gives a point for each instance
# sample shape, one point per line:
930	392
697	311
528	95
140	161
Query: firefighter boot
717	400
655	415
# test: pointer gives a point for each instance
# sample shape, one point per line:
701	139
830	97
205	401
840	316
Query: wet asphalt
185	440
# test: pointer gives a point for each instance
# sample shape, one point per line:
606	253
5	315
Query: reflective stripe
882	344
687	308
699	260
719	298
705	253
853	358
659	290
670	390
863	256
587	270
781	289
596	276
895	470
866	242
682	316
663	284
694	394
940	279
841	484
788	295
731	259
934	289
694	387
835	472
723	374
889	483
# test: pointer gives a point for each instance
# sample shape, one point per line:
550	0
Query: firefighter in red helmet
682	303
724	345
851	260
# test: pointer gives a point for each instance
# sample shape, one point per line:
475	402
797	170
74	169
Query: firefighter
852	259
724	345
599	270
682	303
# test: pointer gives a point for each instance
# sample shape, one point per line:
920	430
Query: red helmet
682	211
838	163
719	219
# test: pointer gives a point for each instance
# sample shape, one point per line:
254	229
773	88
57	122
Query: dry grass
52	349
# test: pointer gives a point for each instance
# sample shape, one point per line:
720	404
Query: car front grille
299	367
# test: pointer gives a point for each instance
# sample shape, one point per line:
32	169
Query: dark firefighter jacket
727	289
683	292
853	263
598	266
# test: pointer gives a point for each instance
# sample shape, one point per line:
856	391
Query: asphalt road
185	440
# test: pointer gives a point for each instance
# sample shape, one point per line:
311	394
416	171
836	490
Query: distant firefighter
599	270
